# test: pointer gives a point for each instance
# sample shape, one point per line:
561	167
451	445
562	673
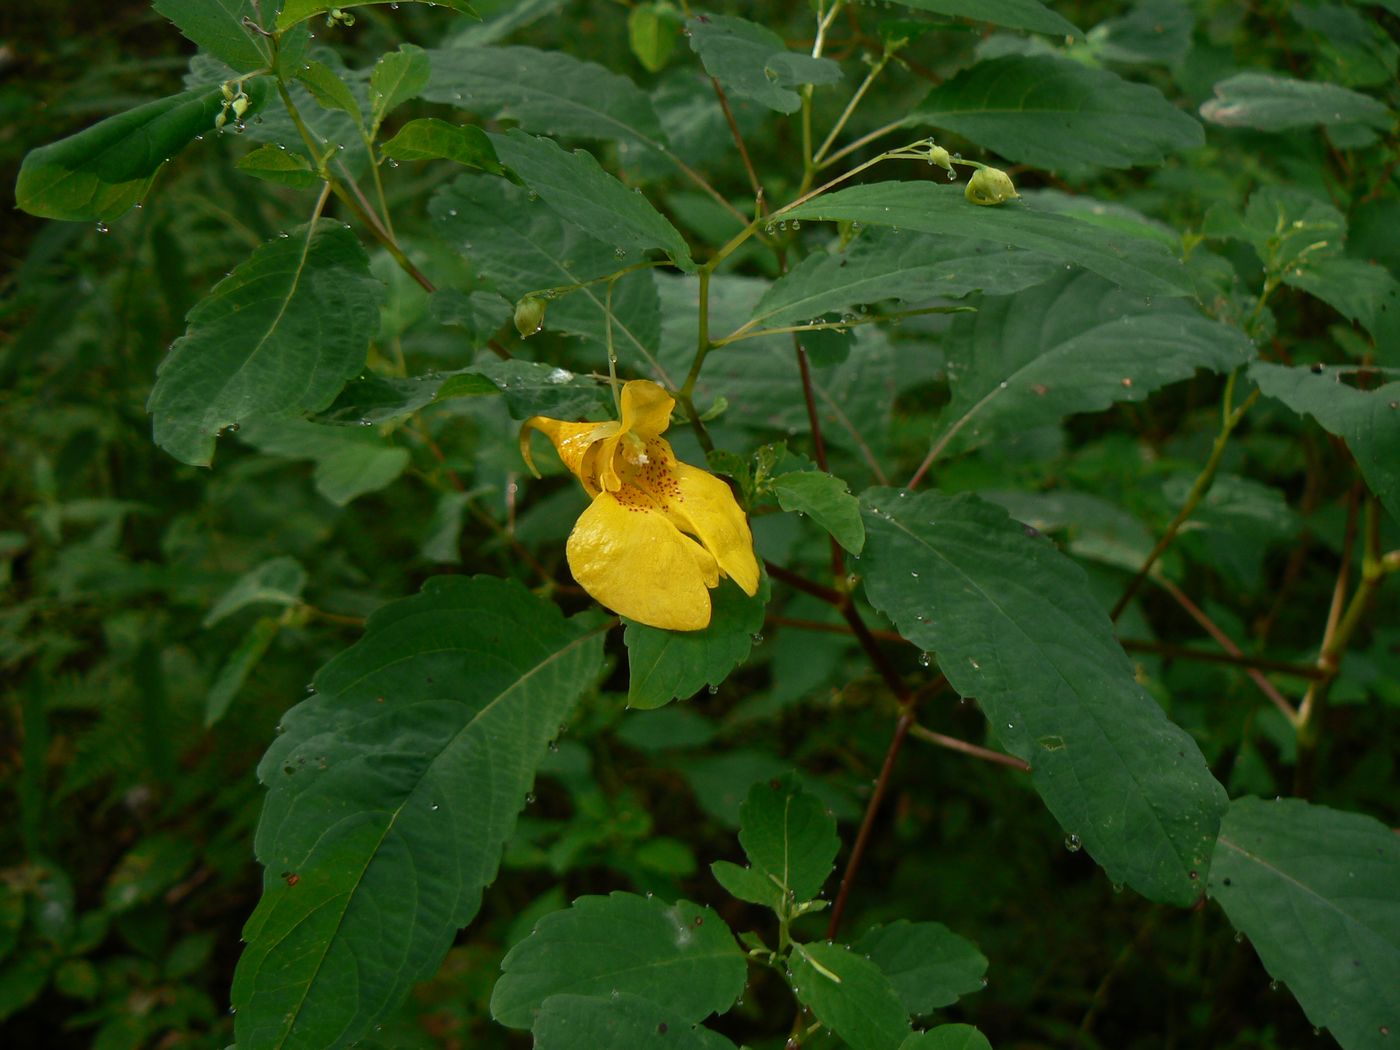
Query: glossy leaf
547	92
1366	416
281	166
278	336
1014	625
947	1037
789	837
217	27
675	665
398	76
99	173
1314	890
277	581
929	965
430	138
827	500
751	61
850	995
329	90
1074	344
585	1022
295	11
390	796
1136	263
573	184
679	956
1014	14
912	267
1272	103
1054	113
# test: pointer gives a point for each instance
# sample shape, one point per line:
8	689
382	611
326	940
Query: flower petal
707	508
646	408
573	442
630	558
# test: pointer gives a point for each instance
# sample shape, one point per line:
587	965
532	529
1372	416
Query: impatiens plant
1029	534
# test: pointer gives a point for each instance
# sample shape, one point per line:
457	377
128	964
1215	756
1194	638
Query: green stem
747	331
855	101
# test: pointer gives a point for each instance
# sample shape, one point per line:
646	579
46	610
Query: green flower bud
938	155
239	106
529	315
990	186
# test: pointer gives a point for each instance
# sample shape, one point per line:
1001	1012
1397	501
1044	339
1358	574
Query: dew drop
1073	844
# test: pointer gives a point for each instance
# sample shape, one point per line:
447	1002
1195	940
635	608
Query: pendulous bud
990	186
529	315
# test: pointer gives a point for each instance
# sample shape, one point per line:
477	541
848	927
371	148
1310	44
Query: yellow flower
632	549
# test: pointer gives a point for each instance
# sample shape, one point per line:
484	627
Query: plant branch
1259	663
754	184
952	743
836	128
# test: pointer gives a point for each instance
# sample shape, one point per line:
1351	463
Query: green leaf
679	956
1074	344
883	265
675	665
278	581
329	89
281	166
534	388
1368	419
1055	114
391	794
652	30
587	1022
827	500
1133	262
147	870
481	314
97	174
523	246
582	192
544	91
278	336
1015	625
1361	291
1272	103
398	76
789	837
752	62
947	1037
1357	49
1154	31
349	462
430	138
850	995
294	11
239	665
1014	14
746	884
216	26
1287	227
1314	891
929	965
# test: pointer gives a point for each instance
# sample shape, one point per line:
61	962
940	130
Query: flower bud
990	186
938	155
239	106
529	315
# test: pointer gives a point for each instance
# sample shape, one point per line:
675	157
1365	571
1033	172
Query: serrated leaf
329	90
827	500
1014	625
281	166
99	173
675	665
1287	227
788	836
390	796
1359	290
278	581
1273	103
1133	262
1154	31
398	76
217	27
912	267
480	314
1368	419
544	91
929	965
1314	890
746	884
349	462
585	1022
430	138
1073	344
679	956
752	62
573	184
278	336
239	665
1014	14
534	388
523	246
850	995
1031	108
947	1037
295	11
